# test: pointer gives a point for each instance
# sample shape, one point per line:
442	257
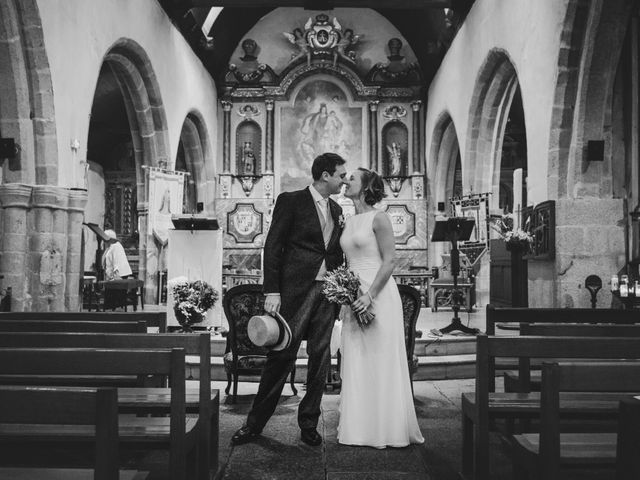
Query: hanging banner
166	190
476	206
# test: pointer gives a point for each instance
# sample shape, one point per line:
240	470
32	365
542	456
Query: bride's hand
362	303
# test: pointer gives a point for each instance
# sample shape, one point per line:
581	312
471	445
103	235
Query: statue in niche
297	38
395	157
248	159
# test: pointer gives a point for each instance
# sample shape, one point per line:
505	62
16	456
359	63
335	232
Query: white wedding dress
376	403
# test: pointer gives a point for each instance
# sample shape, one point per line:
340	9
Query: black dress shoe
245	435
311	437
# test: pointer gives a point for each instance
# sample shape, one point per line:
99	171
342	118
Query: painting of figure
319	121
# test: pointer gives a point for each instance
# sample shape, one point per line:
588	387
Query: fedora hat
270	331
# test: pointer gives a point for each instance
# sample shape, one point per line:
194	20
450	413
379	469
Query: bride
376	403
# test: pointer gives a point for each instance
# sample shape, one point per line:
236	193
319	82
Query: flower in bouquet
518	238
342	286
192	299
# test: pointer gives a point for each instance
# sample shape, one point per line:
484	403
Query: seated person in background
114	259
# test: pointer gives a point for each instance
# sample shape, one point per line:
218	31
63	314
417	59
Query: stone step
429	368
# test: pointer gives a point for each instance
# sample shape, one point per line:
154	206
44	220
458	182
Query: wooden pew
71	326
522	315
177	432
204	401
484	405
532	379
628	451
543	455
497	315
27	409
152	319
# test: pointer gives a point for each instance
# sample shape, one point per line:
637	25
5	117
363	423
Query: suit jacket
294	249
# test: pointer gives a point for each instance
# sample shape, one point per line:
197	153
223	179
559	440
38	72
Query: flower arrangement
342	286
513	238
192	299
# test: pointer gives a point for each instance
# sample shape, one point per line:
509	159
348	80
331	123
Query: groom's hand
272	303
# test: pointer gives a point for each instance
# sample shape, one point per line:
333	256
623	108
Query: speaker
441	206
595	150
8	148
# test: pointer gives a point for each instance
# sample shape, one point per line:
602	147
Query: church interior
507	135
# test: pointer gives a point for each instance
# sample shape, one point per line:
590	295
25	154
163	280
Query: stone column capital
373	105
269	104
17	195
78	200
415	106
49	196
226	105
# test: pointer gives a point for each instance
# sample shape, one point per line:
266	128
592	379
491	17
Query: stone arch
27	108
197	149
147	120
144	106
494	89
445	150
591	45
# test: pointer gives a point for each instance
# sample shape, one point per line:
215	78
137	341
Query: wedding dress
376	403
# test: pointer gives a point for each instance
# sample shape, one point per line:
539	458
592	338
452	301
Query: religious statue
248	159
343	46
395	154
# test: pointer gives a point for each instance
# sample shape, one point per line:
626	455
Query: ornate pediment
321	38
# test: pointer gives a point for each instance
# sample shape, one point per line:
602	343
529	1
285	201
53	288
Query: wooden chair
244	358
29	408
411	304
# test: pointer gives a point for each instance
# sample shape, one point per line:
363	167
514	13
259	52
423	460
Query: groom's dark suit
293	253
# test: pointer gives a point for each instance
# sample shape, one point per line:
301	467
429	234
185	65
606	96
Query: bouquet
342	286
192	299
513	238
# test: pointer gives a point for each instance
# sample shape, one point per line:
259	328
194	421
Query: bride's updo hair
372	186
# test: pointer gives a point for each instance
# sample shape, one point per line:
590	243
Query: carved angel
348	39
297	38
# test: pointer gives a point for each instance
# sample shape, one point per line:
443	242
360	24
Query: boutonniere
341	221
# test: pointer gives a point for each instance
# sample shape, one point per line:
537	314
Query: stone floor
279	453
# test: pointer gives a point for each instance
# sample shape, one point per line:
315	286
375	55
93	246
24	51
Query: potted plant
191	300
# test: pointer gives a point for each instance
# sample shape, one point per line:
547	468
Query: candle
517	197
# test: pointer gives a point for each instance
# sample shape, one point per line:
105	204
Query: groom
302	245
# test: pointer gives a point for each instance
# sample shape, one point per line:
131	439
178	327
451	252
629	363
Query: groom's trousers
313	321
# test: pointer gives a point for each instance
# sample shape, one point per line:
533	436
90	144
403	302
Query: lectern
453	230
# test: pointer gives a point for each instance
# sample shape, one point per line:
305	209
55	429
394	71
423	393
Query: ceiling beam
324	4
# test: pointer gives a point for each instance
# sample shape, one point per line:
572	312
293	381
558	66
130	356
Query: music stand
101	237
453	230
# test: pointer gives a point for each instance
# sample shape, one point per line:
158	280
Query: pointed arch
493	92
26	106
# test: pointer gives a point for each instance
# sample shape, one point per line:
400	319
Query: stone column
15	199
149	252
48	247
373	135
226	143
77	201
269	103
416	107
